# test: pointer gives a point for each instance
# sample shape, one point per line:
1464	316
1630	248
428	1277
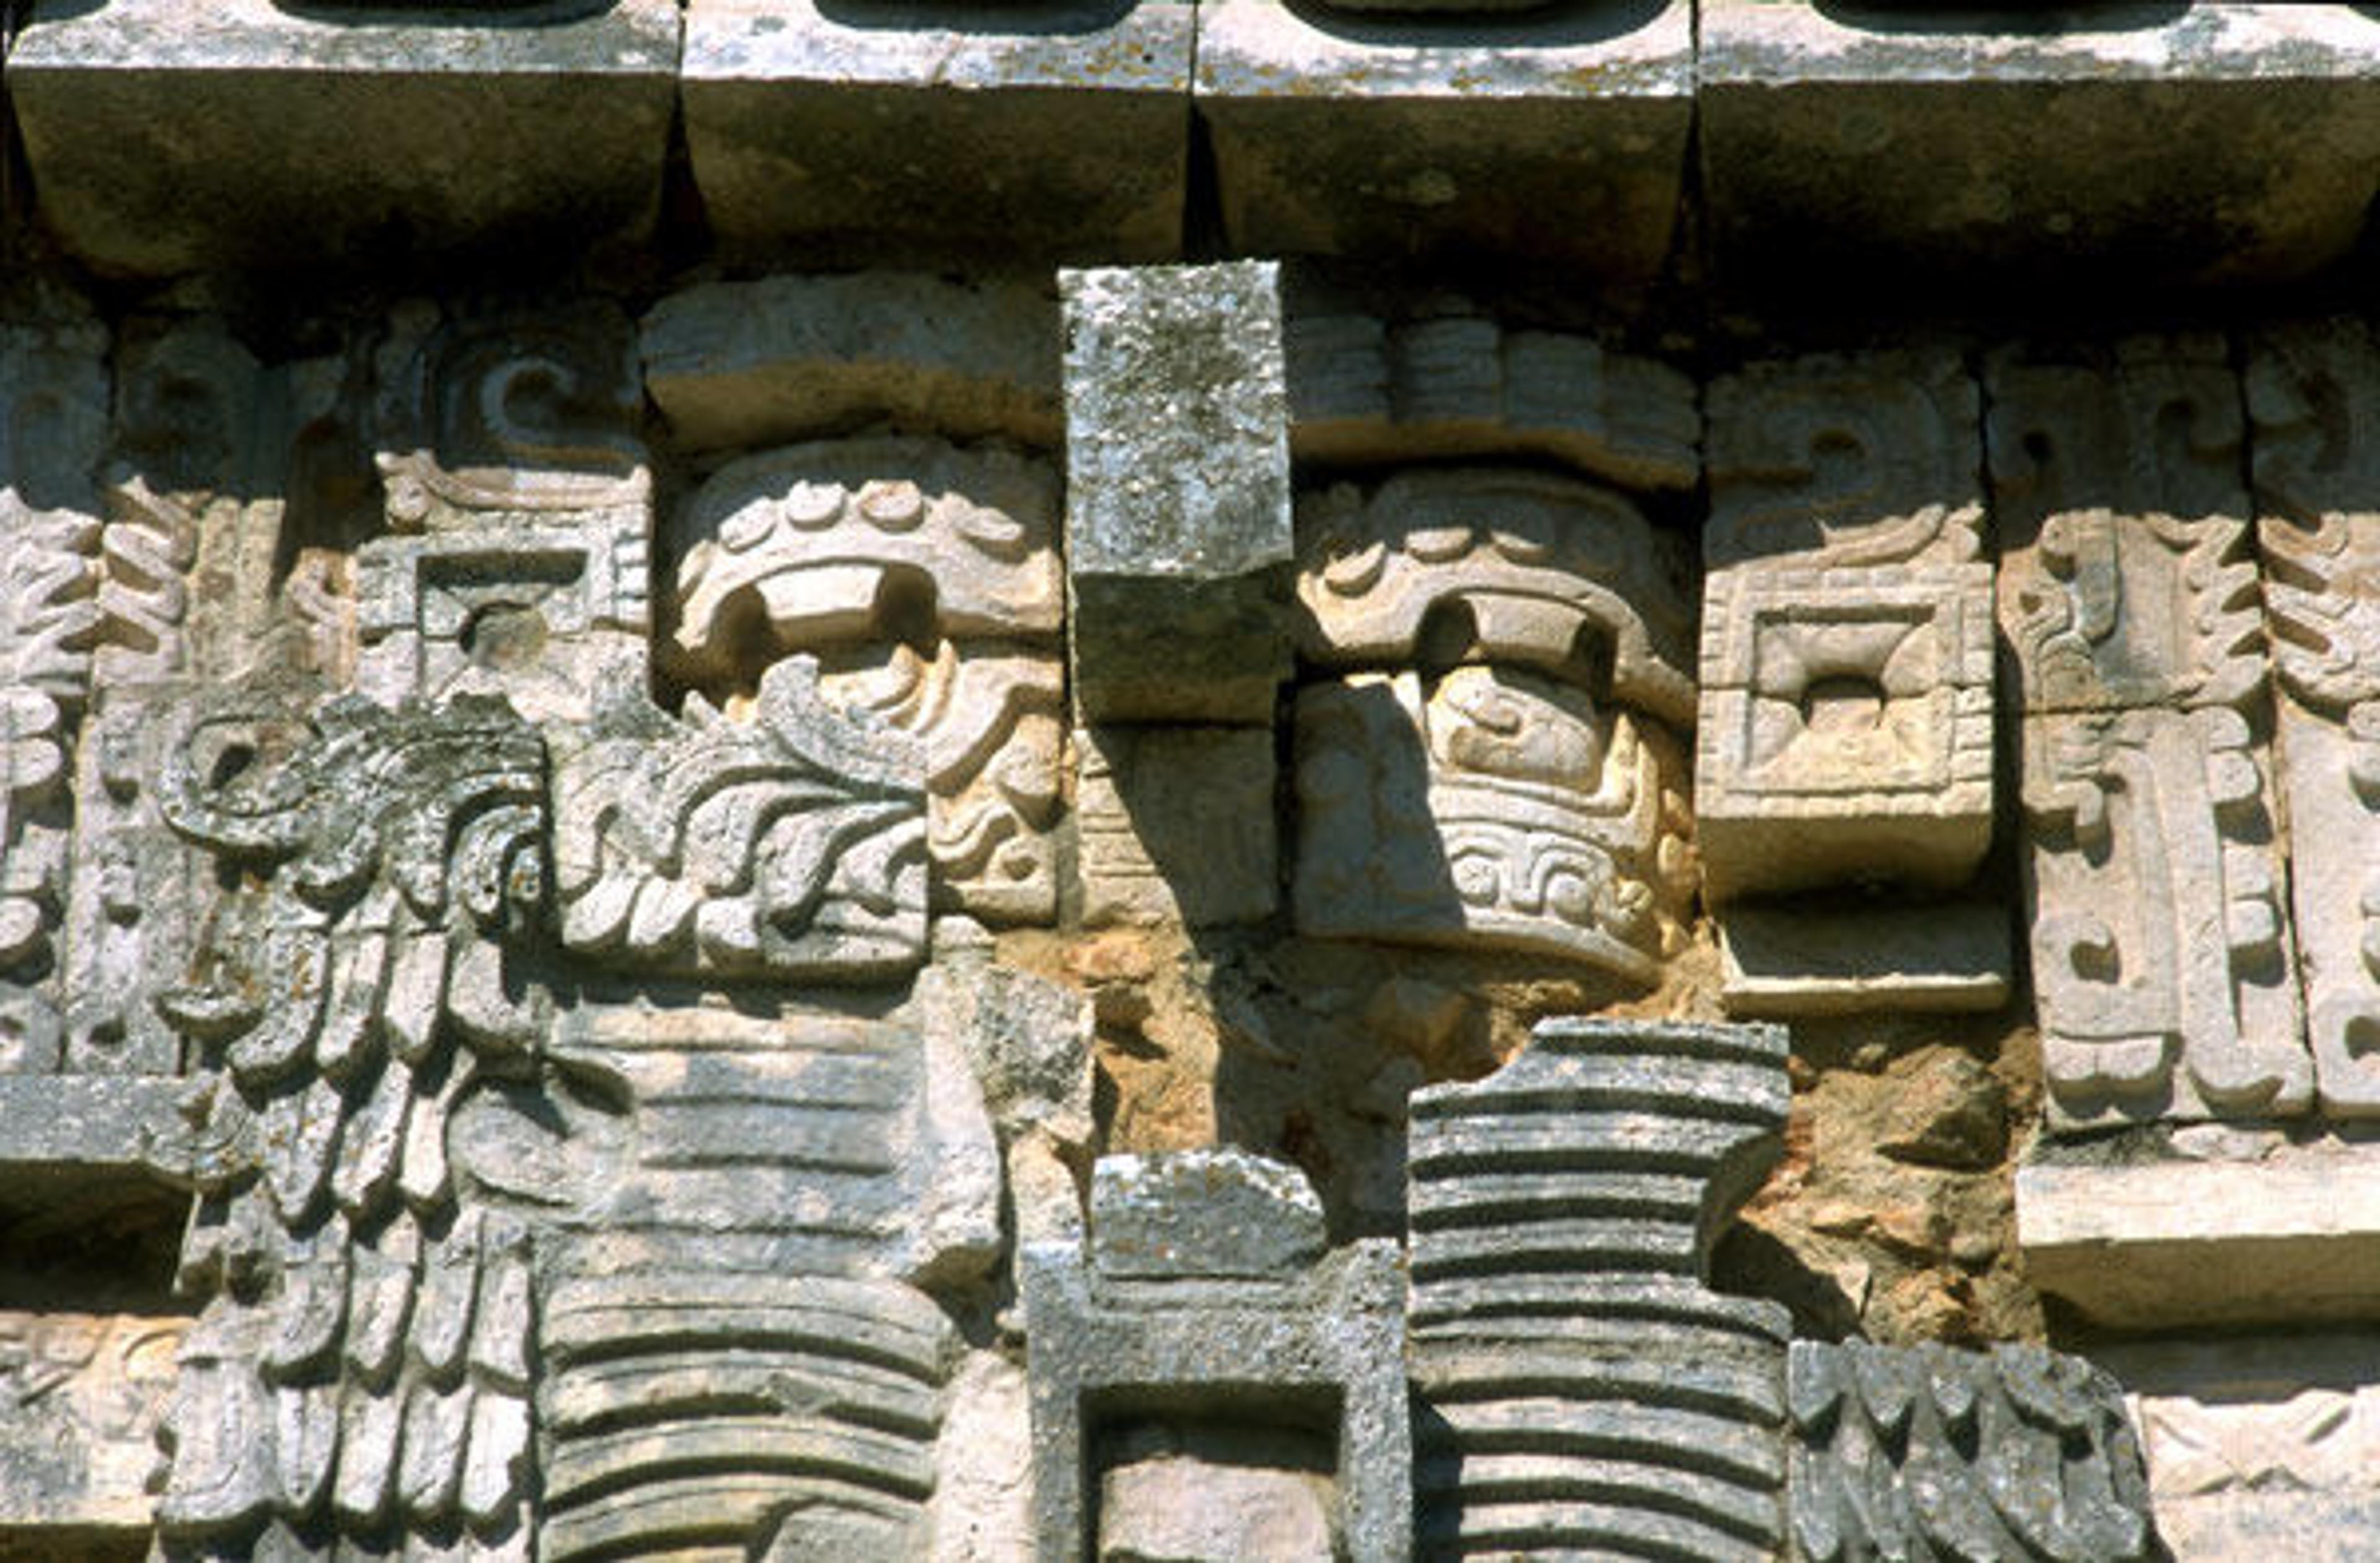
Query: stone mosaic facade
1187	781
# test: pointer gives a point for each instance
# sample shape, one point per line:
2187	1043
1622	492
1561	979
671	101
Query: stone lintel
1558	135
1784	962
166	138
1056	129
1868	144
2166	1242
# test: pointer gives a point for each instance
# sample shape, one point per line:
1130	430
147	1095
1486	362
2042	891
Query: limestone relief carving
789	841
2162	958
739	1346
361	1368
1940	1453
521	506
1577	1402
924	577
1522	791
1462	384
1846	725
2310	394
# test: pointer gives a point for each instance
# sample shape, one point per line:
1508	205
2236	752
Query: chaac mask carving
1526	790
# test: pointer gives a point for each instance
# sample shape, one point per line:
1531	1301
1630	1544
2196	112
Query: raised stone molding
543	125
1547	137
2246	1229
1580	1385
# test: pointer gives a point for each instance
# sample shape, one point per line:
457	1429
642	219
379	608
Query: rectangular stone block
166	137
1176	824
2185	143
1552	136
1179	542
1846	727
1056	130
2253	1231
1783	963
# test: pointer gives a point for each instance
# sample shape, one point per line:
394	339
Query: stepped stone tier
1188	780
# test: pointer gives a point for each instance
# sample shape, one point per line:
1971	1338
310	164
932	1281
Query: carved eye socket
812	505
893	505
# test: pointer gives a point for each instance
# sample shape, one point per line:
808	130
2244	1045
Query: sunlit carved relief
789	841
1525	789
739	1348
923	578
2310	395
1846	726
522	507
361	1365
52	423
2163	962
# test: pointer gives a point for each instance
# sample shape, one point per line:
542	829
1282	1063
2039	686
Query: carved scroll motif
2162	957
924	579
522	504
1521	792
361	1370
2312	394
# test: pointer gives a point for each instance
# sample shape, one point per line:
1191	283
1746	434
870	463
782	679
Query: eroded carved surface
2311	393
361	1365
2163	960
788	840
79	1399
1931	1452
926	578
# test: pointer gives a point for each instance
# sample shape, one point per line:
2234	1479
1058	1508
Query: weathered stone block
1584	1389
2246	1229
1178	528
81	1394
2259	1446
785	357
165	139
1870	150
1554	138
1926	1452
1058	131
1846	726
1176	824
1221	1212
1804	958
1293	1340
